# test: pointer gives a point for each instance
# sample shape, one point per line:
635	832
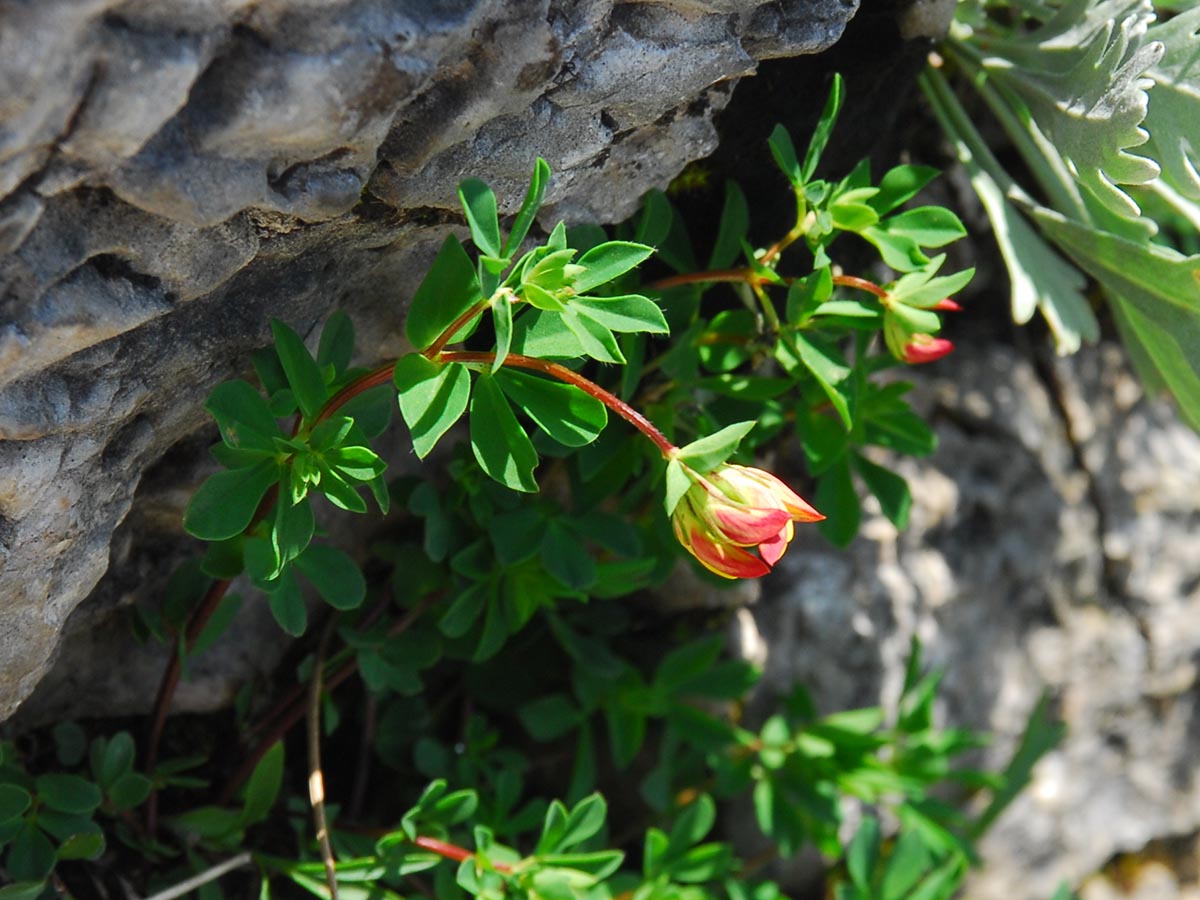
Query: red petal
724	559
923	349
747	526
772	549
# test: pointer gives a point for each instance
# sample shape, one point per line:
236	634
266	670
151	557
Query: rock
175	172
1053	547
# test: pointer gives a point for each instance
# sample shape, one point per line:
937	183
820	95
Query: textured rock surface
1054	546
174	172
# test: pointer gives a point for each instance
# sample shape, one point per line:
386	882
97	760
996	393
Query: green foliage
496	673
1077	85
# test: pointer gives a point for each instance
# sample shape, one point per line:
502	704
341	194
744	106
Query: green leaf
1080	76
448	291
816	146
337	343
130	791
13	802
335	575
225	503
1156	289
371	411
263	786
732	230
479	203
565	557
827	370
889	488
863	853
596	340
631	313
356	463
117	759
302	373
900	185
546	336
292	529
707	453
243	416
1040	278
529	207
929	226
1175	102
499	443
608	261
546	719
25	890
287	604
465	610
68	793
784	152
30	855
432	398
86	845
837	499
563	411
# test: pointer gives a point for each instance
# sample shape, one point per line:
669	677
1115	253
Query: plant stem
715	275
212	599
562	373
316	778
185	887
853	281
292	715
453	328
453	851
377	376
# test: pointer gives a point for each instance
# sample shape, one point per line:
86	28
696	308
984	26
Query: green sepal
707	453
678	484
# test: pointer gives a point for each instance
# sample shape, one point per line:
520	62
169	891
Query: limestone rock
175	172
1053	547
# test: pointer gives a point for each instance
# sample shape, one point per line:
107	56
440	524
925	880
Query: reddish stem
724	275
444	338
212	599
374	378
562	373
862	284
453	851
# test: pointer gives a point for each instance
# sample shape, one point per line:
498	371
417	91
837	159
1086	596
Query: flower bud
734	510
923	348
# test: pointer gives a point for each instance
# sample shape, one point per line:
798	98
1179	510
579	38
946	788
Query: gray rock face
1054	546
174	172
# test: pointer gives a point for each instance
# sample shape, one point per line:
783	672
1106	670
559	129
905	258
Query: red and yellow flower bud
737	521
923	348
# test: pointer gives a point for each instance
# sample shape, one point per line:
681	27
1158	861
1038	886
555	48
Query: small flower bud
924	348
736	509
